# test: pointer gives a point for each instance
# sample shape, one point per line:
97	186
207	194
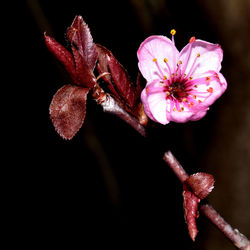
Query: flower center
177	90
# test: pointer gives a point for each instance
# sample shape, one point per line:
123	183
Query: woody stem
238	239
109	105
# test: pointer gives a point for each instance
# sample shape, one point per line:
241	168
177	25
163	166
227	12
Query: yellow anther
190	78
208	78
172	75
174	109
198	55
173	32
165	60
168	93
184	99
194	96
164	77
154	60
196	86
180	62
182	108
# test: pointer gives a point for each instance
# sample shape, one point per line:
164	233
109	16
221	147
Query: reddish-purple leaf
196	187
68	109
191	211
102	67
120	83
138	85
201	184
85	76
80	37
62	54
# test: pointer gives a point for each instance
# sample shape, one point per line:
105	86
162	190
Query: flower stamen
169	70
192	67
210	90
191	41
158	67
173	32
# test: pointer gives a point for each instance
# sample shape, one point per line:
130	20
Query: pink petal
193	113
217	85
210	57
144	99
158	47
180	117
159	107
155	87
198	115
219	88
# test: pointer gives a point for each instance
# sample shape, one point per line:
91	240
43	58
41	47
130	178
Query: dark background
108	186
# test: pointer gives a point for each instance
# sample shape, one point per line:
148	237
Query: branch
238	239
110	105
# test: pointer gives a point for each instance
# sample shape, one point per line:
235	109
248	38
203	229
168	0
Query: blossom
180	85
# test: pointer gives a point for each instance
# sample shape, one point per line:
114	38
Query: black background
108	186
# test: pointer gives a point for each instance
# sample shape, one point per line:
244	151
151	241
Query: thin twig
110	105
238	239
175	166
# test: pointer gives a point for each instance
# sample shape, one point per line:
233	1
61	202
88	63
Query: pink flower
180	85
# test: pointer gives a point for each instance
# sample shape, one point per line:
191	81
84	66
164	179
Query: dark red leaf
138	86
68	109
191	211
62	54
102	67
85	76
80	37
119	84
201	184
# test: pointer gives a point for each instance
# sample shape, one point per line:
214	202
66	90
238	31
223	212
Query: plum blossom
180	85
